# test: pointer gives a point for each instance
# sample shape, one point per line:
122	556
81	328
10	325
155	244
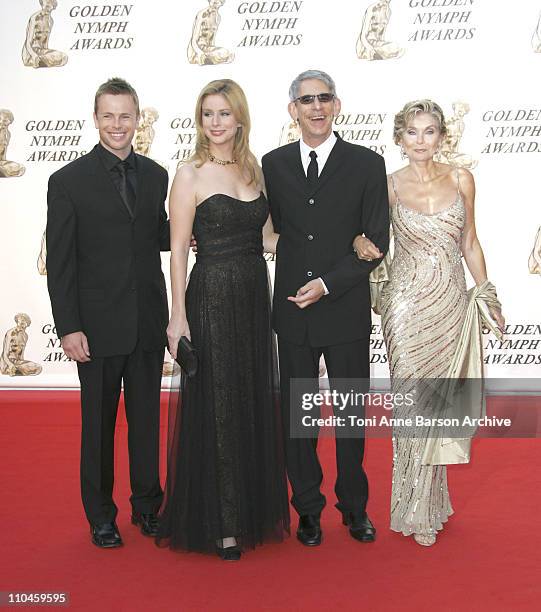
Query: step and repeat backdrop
479	59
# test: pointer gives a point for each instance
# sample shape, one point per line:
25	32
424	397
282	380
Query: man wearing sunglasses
322	192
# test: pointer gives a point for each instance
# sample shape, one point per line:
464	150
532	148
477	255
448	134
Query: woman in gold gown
424	302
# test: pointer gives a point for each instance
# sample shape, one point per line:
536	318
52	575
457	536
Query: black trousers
101	381
349	360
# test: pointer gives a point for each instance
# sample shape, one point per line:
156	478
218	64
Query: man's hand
76	347
308	294
366	249
193	244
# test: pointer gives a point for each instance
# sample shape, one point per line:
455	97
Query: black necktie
312	173
125	187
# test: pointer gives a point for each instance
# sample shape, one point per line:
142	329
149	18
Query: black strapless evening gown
226	469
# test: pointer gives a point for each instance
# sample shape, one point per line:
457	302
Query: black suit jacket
103	264
317	228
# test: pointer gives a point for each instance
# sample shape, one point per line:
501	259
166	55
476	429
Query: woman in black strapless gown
226	487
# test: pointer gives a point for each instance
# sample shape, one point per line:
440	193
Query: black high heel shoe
229	553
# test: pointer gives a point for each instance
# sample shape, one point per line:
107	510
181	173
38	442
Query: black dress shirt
111	162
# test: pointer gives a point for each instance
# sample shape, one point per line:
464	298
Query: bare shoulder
401	172
460	177
185	184
390	190
465	182
186	172
397	179
466	185
186	177
390	182
465	177
444	170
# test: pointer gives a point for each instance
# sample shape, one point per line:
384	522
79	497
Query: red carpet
487	558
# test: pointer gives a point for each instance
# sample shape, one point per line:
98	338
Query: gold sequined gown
423	308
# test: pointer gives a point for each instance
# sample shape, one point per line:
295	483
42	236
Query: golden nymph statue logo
7	168
534	262
144	135
12	361
36	52
449	151
290	133
202	49
42	257
536	38
371	44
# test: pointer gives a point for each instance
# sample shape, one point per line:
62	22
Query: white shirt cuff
324	286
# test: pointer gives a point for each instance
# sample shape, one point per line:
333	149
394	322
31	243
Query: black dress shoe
106	535
148	522
309	530
360	526
229	553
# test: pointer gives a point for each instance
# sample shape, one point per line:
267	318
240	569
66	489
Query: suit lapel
334	161
293	160
142	181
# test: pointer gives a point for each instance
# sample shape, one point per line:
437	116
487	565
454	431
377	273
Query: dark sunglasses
308	99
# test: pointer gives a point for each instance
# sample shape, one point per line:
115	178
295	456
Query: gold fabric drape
467	363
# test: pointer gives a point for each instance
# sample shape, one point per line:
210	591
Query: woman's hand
178	327
497	315
366	249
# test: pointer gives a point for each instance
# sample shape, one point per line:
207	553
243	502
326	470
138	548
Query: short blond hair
410	110
116	86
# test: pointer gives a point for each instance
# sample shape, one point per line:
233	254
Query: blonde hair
403	118
236	99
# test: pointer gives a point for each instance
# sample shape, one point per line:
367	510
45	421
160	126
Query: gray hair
310	74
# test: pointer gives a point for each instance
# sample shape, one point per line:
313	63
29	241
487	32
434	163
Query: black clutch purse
187	356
